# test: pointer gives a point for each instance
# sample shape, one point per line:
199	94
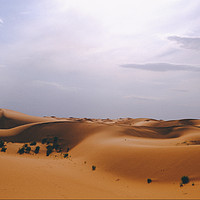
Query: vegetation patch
66	155
21	150
3	149
37	149
149	180
185	179
44	140
2	144
49	150
24	149
33	143
27	149
52	145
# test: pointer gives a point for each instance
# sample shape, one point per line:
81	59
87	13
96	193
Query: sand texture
126	152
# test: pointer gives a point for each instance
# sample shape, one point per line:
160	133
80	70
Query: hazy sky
101	58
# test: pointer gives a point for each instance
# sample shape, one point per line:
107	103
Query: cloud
53	85
141	98
1	21
169	52
187	42
162	67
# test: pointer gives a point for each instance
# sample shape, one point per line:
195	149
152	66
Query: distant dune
124	153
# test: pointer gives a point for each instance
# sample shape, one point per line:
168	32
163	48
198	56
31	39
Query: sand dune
126	152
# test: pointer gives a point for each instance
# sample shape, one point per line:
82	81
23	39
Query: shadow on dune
68	133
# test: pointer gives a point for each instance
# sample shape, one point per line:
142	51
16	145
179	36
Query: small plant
68	149
2	144
44	140
185	179
55	139
59	149
66	155
25	145
21	150
56	146
27	149
192	184
3	149
149	180
37	149
33	143
93	167
49	150
181	185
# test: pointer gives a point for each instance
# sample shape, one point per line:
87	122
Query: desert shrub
21	150
66	155
44	140
37	149
2	143
27	149
25	145
149	180
55	139
93	167
185	179
181	185
49	150
33	143
56	146
3	149
68	149
192	184
59	149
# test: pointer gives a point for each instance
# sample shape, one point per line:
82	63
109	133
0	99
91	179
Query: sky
101	58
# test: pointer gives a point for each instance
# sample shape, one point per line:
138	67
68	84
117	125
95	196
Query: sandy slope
126	152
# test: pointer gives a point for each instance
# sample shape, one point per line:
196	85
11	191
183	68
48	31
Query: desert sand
125	152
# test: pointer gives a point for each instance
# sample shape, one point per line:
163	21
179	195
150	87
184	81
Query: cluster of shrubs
27	149
3	146
185	180
52	145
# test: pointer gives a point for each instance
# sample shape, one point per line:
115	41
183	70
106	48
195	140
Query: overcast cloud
86	58
162	67
187	42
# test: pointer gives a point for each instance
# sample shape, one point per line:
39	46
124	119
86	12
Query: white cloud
162	67
187	42
1	21
51	84
141	98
